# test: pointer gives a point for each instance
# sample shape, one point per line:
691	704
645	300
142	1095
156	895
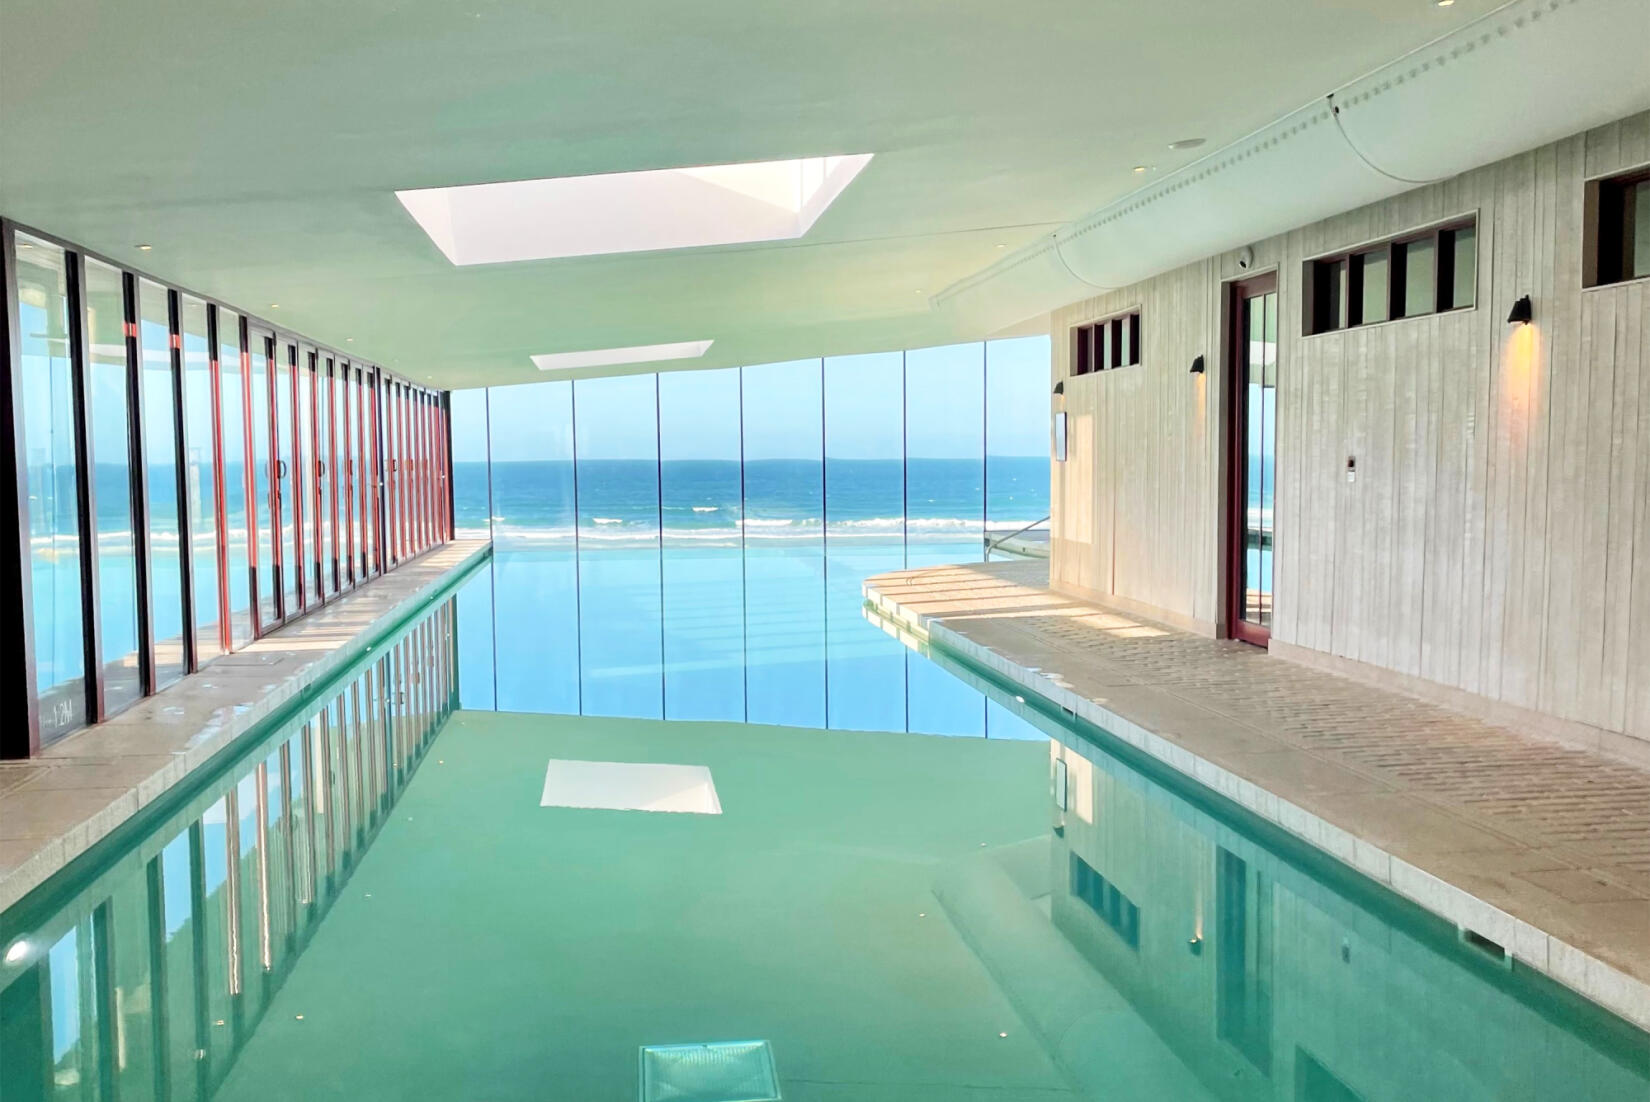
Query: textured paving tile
1553	836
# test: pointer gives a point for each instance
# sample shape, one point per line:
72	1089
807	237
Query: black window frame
1608	211
1334	282
1100	345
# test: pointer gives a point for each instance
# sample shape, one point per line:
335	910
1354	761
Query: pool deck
1541	847
55	806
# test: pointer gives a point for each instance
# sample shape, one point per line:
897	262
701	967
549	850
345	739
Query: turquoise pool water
366	899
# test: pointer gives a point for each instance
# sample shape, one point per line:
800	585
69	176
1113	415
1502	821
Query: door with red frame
1251	459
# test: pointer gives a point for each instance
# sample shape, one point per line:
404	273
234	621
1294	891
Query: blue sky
700	410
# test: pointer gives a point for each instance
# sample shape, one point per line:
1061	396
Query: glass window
1373	301
232	419
289	563
326	471
201	477
945	495
48	432
535	563
616	429
111	426
864	534
1017	380
265	488
371	474
1638	206
348	473
472	482
1465	243
306	464
785	543
387	407
160	456
1420	263
704	600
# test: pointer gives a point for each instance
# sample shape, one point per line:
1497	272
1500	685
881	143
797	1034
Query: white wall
1497	539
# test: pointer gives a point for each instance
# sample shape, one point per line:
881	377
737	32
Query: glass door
1252	456
326	406
347	473
308	484
289	564
266	500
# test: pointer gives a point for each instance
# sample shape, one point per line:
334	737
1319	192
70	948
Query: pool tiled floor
1539	846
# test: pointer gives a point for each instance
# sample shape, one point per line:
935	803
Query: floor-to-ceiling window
233	475
535	513
160	459
700	552
53	479
201	478
617	472
701	512
111	428
865	533
187	481
785	542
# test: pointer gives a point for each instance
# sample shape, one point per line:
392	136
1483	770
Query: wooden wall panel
1497	537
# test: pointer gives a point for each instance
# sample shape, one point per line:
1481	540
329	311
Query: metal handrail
990	543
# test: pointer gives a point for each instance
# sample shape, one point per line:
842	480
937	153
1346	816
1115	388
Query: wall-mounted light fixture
1060	387
1195	944
1522	312
1197	366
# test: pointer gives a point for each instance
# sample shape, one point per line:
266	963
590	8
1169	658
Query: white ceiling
258	148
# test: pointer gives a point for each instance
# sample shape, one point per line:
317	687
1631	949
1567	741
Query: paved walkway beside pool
55	806
1542	848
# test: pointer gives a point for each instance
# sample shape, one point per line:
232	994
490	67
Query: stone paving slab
1540	847
53	807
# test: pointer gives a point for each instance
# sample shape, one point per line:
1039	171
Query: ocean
628	500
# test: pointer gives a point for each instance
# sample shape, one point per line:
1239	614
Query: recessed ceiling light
609	357
1138	169
1445	3
1002	244
274	306
626	212
144	248
1187	143
349	340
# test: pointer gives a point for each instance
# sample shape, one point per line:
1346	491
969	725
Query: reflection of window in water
1243	954
1114	908
1316	1083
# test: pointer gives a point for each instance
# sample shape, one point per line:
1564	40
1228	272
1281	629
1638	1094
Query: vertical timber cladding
1497	536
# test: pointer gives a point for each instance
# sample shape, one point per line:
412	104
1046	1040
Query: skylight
635	354
626	212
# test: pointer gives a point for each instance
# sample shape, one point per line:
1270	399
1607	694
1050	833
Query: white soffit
628	212
630	786
610	357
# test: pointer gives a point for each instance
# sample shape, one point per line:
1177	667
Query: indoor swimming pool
399	888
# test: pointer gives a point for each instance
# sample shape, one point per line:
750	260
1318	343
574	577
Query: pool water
368	899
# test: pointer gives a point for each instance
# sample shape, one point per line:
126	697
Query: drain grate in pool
725	1071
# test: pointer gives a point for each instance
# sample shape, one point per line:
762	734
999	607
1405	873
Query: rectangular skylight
626	212
608	357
